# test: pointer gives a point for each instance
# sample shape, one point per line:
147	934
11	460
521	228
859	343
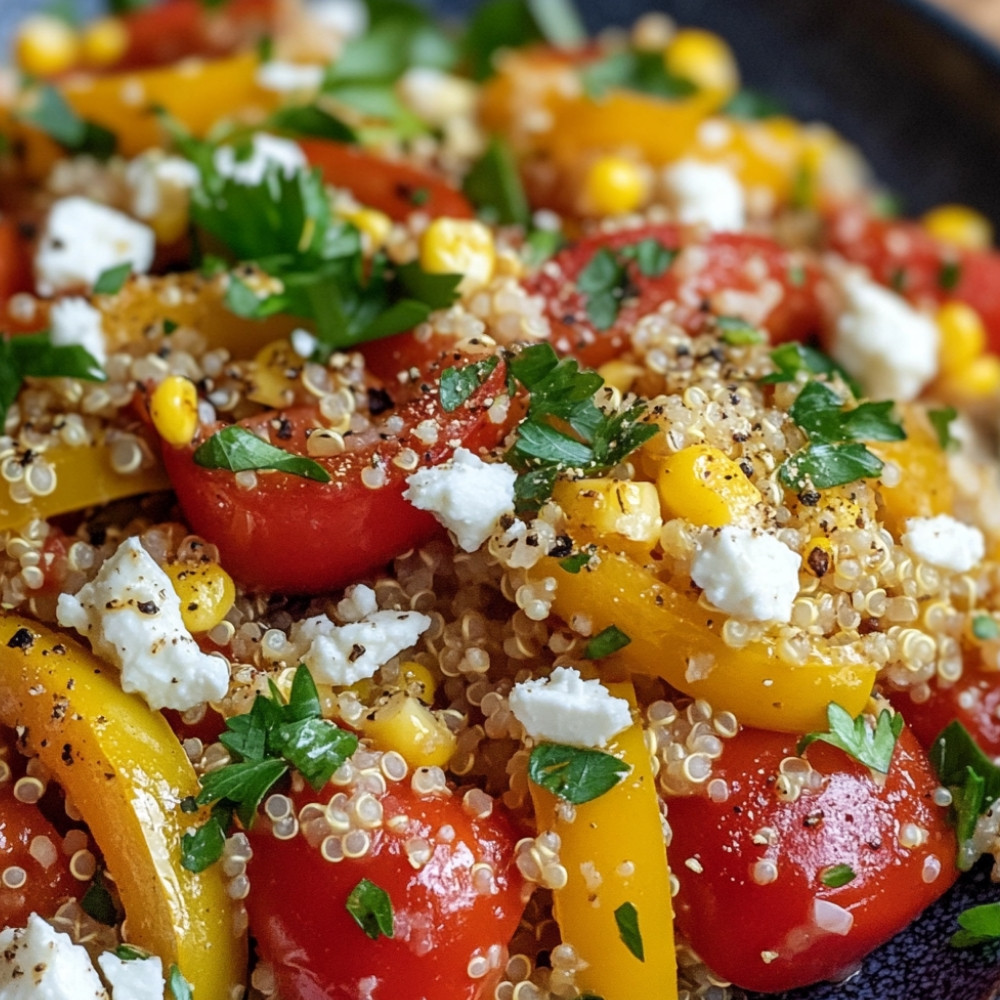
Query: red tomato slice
452	920
15	264
904	256
737	263
753	902
398	189
299	536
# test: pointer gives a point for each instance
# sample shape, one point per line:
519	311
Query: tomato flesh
754	901
721	262
442	918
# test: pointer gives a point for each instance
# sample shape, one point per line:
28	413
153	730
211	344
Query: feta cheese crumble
82	238
266	151
345	654
747	575
159	183
73	321
132	616
944	542
41	963
705	194
134	978
565	708
283	77
881	340
435	96
467	495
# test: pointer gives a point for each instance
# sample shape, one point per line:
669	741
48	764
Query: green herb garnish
129	953
370	906
627	919
494	186
606	642
239	450
980	925
835	876
634	69
941	421
576	774
50	113
575	562
98	903
949	275
985	628
458	384
868	746
310	121
738	332
111	281
179	987
790	359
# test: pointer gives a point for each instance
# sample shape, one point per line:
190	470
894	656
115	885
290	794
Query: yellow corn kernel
705	59
619	374
960	226
411	729
459	246
275	374
981	379
611	511
206	590
374	225
705	486
45	45
104	42
963	337
818	556
613	185
173	408
419	681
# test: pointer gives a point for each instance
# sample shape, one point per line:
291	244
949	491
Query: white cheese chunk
747	575
158	182
73	321
283	77
134	978
705	194
40	963
466	495
565	708
266	151
880	339
435	96
132	616
944	542
348	18
345	654
82	238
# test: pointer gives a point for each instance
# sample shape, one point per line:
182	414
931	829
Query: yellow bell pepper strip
84	477
614	854
674	637
125	771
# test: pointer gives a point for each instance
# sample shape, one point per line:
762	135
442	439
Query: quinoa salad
485	514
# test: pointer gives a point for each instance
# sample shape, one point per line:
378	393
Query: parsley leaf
950	275
627	919
576	774
50	113
130	953
458	384
604	281
980	925
985	627
751	104
179	987
370	906
737	332
634	69
606	642
111	281
575	562
826	465
941	422
206	844
541	244
650	256
792	358
494	186
98	903
834	876
239	450
310	120
857	739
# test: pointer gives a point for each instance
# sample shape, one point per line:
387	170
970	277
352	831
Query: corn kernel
818	556
963	336
459	246
619	374
374	226
981	379
625	516
705	486
411	729
104	42
206	591
613	185
275	374
173	408
960	226
705	59
419	681
45	46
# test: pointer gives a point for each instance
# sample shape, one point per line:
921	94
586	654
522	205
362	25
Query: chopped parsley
980	925
737	332
310	121
370	906
494	186
605	280
871	746
458	384
265	743
50	113
634	69
790	359
180	988
941	420
542	244
834	876
627	919
985	627
949	275
564	429
971	777
35	356
111	281
606	642
575	562
98	903
752	105
130	953
239	450
576	774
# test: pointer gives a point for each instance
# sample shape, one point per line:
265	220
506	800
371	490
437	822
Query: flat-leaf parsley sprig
265	743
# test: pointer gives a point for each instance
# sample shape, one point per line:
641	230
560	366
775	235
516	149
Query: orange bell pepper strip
674	637
126	772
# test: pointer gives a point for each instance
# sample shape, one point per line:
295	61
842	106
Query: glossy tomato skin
713	264
753	902
296	535
442	917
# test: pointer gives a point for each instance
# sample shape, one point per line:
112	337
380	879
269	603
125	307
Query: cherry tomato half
709	279
760	896
299	536
454	892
